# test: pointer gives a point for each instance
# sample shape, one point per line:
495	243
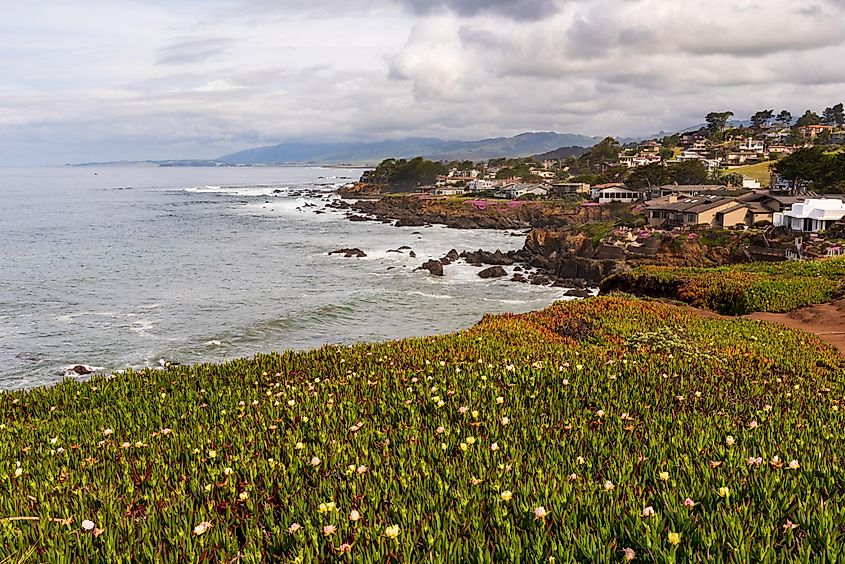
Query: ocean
119	267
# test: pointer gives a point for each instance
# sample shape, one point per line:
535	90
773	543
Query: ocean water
118	267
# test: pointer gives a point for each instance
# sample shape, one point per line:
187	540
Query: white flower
793	465
202	528
228	472
88	525
608	485
392	531
18	472
540	512
729	440
354	515
315	461
494	447
505	420
648	512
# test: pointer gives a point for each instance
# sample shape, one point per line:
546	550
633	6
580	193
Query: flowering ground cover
738	289
602	430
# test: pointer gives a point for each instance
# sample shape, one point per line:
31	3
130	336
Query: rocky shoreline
559	249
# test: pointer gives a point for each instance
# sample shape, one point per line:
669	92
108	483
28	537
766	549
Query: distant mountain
522	145
560	154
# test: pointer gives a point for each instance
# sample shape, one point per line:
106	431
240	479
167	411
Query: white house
752	145
447	191
617	194
479	185
811	215
514	191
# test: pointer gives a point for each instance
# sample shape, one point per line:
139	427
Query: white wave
435	296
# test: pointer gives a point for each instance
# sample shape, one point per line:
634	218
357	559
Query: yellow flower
664	476
243	496
729	440
675	538
392	532
724	492
506	495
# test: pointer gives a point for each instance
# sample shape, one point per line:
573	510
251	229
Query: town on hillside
776	171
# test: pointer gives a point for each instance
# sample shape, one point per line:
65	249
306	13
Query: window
691	218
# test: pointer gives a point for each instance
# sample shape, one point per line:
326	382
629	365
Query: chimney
673	198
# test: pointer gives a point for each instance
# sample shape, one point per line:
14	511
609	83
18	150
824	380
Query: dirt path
826	321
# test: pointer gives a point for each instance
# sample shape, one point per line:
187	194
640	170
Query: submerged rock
493	272
435	267
80	369
349	253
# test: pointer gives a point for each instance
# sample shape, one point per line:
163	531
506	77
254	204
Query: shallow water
118	267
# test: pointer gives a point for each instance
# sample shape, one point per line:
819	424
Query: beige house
680	211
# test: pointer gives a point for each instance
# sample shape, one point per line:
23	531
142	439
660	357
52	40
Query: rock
358	218
453	255
404	248
576	293
493	272
394	251
435	267
484	257
81	370
519	278
411	222
349	253
412	254
445	261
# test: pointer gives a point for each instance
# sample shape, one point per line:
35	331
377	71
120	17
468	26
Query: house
562	188
447	191
811	215
686	190
541	173
709	210
752	145
809	132
480	185
750	183
595	190
515	191
763	205
617	194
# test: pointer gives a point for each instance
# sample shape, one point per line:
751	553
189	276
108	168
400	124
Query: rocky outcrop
493	272
435	267
418	210
497	258
349	253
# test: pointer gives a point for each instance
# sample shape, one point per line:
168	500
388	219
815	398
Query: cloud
90	80
192	51
516	9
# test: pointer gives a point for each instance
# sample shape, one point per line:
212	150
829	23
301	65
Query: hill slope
577	432
522	145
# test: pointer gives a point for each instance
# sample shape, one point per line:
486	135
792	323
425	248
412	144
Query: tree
762	118
605	151
689	172
716	122
784	118
809	118
827	117
654	174
838	114
732	179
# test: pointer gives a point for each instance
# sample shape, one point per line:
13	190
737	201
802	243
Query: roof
694	204
692	187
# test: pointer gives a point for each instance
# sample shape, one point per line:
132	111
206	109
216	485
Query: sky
101	80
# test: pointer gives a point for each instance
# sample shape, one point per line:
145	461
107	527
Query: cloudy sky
90	80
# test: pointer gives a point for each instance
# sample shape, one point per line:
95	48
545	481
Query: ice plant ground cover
603	430
738	289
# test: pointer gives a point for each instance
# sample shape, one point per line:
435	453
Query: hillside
522	145
586	432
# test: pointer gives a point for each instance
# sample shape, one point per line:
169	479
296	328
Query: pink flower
689	503
354	515
463	409
540	513
629	554
329	530
294	528
440	430
345	547
648	512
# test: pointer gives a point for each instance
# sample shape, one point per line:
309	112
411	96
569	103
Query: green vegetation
738	289
823	171
401	173
761	172
659	174
585	432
